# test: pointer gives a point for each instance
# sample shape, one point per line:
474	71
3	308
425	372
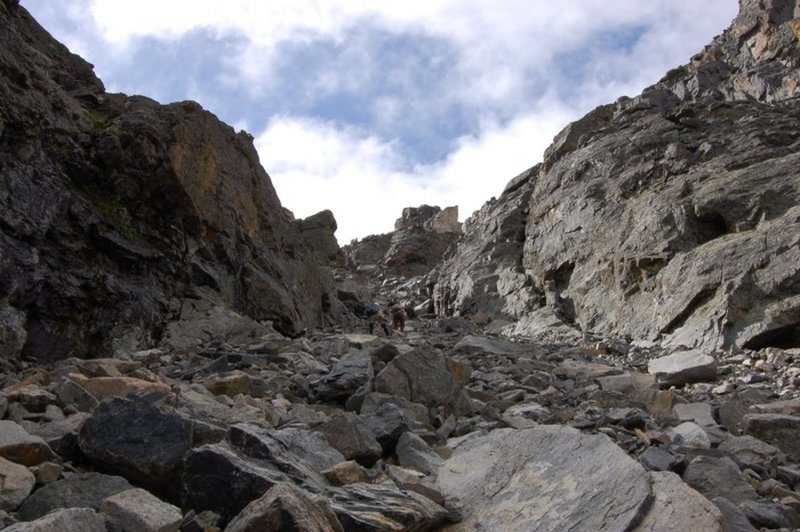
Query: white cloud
497	74
366	182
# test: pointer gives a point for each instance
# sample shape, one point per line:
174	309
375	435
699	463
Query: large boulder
84	490
424	375
214	469
286	507
137	440
544	478
677	507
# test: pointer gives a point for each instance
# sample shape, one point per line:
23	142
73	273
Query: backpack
370	309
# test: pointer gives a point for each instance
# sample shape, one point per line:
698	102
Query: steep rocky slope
671	216
118	214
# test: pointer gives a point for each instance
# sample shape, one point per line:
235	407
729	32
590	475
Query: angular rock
214	469
424	376
718	477
301	454
16	483
388	423
545	478
580	370
771	515
700	413
683	367
87	490
70	392
103	387
33	397
137	509
747	450
780	430
414	453
319	230
83	519
345	377
349	472
384	507
678	507
17	445
692	435
734	517
660	459
285	507
137	440
350	435
12	332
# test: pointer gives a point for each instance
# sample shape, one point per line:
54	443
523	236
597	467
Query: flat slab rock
544	478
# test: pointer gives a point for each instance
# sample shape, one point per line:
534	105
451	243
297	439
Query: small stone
724	388
690	434
347	472
47	472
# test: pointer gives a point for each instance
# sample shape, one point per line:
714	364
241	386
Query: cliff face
674	215
116	211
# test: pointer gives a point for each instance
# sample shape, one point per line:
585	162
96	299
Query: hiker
398	317
375	315
411	313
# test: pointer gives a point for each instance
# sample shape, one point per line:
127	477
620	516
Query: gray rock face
672	215
486	274
319	230
421	236
146	191
535	479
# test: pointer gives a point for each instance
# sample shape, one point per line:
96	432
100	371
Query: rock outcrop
671	216
418	243
117	212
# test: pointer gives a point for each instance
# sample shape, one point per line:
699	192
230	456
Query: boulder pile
443	427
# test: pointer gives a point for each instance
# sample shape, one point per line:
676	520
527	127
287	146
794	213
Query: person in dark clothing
379	318
398	318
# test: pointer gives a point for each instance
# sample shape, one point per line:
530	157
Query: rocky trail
441	428
613	343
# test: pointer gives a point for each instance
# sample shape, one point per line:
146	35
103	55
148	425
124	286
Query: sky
365	107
